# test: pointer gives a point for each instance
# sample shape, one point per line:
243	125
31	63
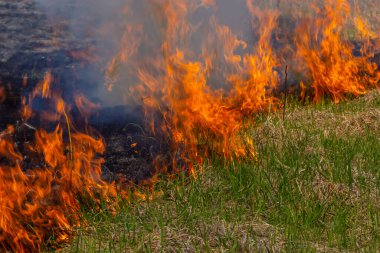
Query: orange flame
334	70
192	111
43	201
201	119
255	93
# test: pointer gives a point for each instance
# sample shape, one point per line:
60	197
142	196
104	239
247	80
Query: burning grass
298	175
313	187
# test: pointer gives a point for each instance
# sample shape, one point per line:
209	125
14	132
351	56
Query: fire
184	107
198	117
42	201
192	110
45	85
254	93
334	70
202	119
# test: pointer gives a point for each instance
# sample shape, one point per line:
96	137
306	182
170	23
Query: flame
192	111
43	200
42	89
254	93
334	70
200	118
45	85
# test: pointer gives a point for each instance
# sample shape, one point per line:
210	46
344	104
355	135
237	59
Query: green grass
315	186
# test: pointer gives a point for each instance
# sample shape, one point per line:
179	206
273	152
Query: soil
130	151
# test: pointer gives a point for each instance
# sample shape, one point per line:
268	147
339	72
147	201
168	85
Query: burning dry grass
283	182
42	200
178	85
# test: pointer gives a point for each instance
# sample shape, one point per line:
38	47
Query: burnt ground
130	150
33	43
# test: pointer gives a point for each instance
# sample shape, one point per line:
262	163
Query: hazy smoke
136	27
101	25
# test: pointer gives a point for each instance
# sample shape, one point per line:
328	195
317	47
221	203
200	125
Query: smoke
103	29
125	36
89	31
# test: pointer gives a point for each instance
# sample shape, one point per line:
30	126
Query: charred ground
34	45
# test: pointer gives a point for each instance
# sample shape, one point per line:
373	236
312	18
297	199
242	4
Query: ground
314	187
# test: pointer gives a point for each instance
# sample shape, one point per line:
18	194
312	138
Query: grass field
314	187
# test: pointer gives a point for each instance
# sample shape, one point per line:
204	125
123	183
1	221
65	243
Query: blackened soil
129	155
130	151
